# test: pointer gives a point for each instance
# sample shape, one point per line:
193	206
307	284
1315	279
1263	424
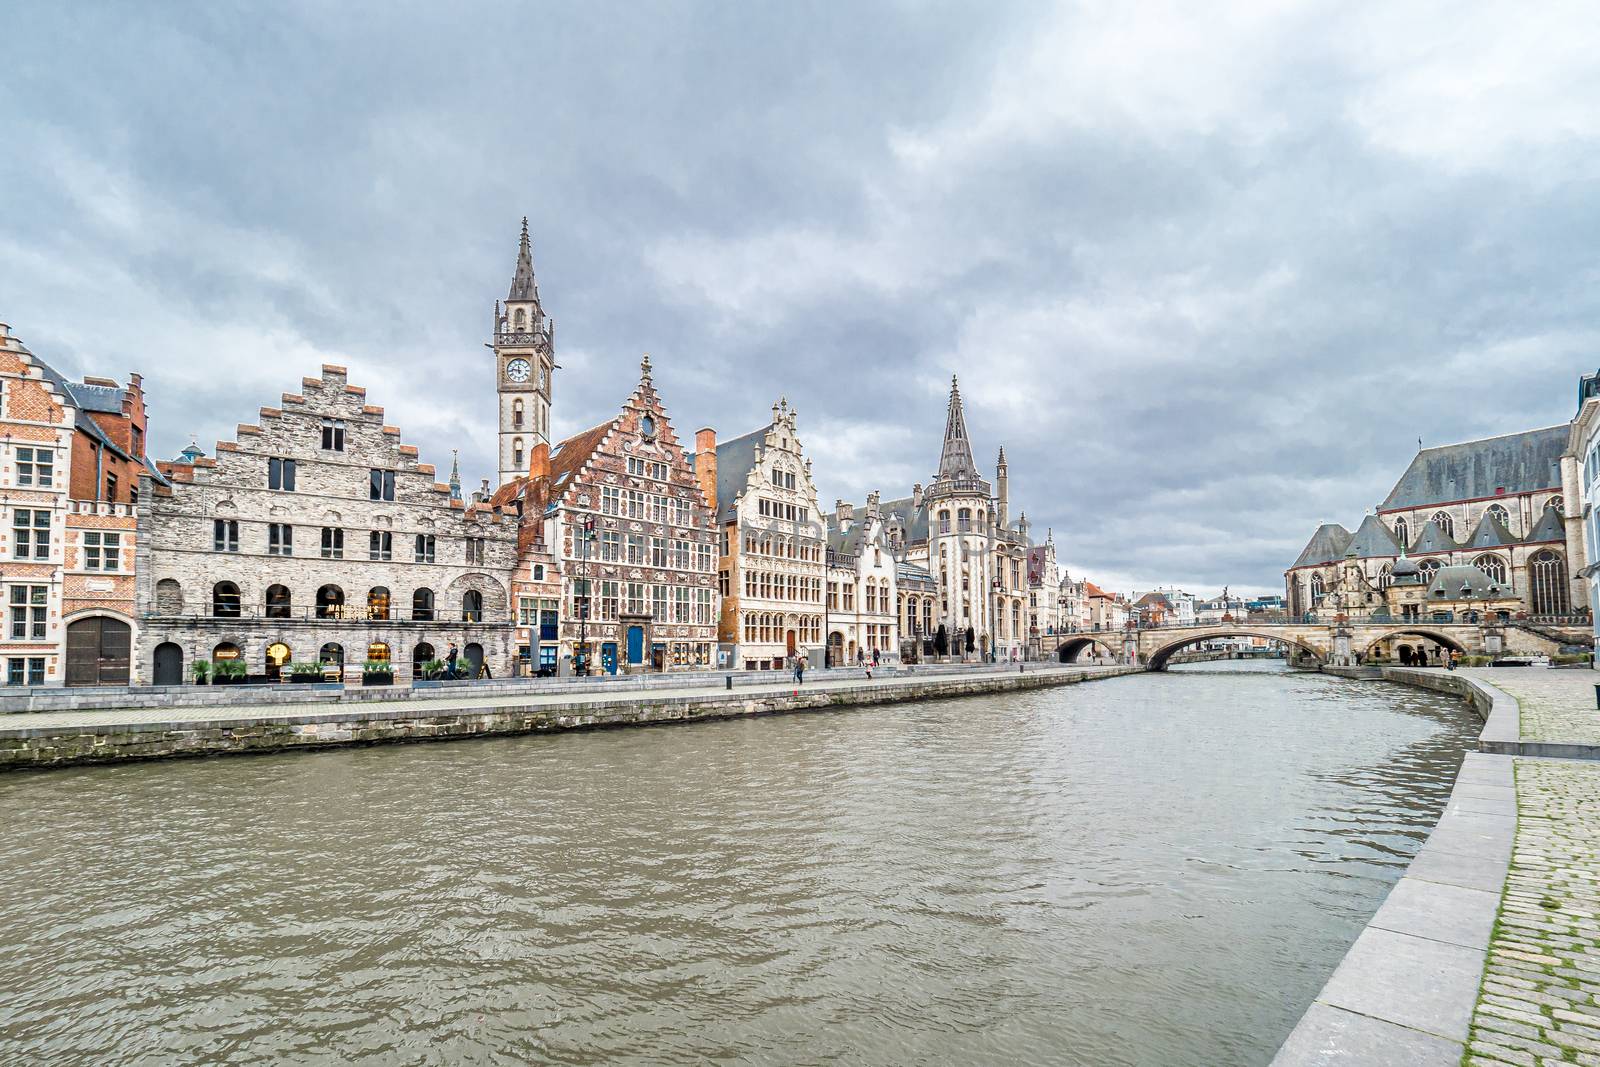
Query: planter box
303	679
377	679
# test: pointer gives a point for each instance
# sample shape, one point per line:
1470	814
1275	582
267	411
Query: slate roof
1515	463
1449	582
1433	539
1548	528
915	520
1373	539
1326	545
1490	533
70	390
105	398
908	572
735	459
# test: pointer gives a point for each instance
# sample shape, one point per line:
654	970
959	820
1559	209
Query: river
1153	870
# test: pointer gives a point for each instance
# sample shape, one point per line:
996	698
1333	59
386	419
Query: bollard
1597	695
1021	669
730	682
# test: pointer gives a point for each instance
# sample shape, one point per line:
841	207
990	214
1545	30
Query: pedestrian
874	656
800	669
450	661
861	657
1455	658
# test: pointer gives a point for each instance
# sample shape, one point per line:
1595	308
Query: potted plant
228	672
303	673
377	672
430	672
201	669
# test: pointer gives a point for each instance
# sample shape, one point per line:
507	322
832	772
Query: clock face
518	370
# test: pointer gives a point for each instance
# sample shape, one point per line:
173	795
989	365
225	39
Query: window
25	670
380	545
1446	524
380	485
279	602
333	435
1493	566
538	572
610	546
610	500
658	551
476	550
472	606
102	550
1402	532
516	417
1557	505
225	600
30	530
1428	568
111	486
280	474
1547	579
280	539
527	611
36	466
636	504
516	453
1316	588
330	602
422	605
378	603
225	535
424	548
1499	514
332	543
28	606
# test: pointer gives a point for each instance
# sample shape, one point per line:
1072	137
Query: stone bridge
1318	643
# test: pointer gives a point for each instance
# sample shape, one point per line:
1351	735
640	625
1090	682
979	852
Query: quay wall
96	739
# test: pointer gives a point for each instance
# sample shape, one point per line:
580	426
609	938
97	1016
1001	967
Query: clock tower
524	358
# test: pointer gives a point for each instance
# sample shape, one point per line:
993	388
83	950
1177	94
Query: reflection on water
1154	870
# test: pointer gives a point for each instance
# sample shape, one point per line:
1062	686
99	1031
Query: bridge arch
1158	658
1438	637
1073	645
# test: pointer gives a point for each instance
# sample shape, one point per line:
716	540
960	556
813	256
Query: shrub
229	668
1574	657
201	669
433	668
305	670
378	666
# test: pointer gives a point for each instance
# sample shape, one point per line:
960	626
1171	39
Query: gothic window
278	602
1316	588
1493	566
1556	504
225	600
1499	514
1402	531
521	320
1446	524
1428	568
422	605
1385	577
1547	582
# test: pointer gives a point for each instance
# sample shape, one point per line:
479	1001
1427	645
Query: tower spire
455	476
523	284
956	459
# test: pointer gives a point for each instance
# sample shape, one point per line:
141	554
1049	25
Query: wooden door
98	651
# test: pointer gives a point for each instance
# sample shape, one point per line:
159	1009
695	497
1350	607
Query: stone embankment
118	733
1485	952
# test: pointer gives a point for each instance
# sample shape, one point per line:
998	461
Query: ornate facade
863	611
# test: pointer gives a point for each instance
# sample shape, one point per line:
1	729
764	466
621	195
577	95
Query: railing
1386	618
348	614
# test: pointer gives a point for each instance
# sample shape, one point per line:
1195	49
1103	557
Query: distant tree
941	641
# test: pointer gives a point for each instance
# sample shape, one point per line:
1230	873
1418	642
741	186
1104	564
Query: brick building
317	536
70	463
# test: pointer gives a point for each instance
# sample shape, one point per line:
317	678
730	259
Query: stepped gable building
864	600
1497	504
317	536
635	543
771	542
70	461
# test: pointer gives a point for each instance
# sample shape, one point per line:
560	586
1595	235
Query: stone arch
1438	637
1157	660
1073	647
169	597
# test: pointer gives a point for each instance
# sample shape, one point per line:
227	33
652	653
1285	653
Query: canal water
1154	870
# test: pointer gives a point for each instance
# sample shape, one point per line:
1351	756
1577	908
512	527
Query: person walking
800	669
450	661
874	656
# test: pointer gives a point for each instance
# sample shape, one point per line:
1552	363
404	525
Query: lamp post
587	533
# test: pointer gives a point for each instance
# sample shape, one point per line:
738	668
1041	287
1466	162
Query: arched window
1316	588
331	654
1547	583
472	606
169	597
1498	514
378	602
278	602
1493	566
330	602
277	657
1428	568
1402	531
1385	577
1446	524
1557	505
377	652
226	650
521	319
516	452
516	414
225	600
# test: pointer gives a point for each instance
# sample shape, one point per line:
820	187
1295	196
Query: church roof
1326	545
1433	539
1548	528
1372	539
1490	533
1465	583
955	460
1515	463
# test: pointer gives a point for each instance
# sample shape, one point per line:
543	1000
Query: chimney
842	514
539	461
916	497
872	504
705	468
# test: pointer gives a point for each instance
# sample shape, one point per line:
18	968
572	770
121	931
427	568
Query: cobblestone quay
58	739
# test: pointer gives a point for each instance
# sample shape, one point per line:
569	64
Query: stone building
634	541
918	594
771	543
524	356
1497	504
317	536
1044	594
70	461
863	609
1583	453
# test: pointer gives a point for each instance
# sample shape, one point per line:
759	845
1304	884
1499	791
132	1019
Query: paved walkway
1540	997
455	700
1557	705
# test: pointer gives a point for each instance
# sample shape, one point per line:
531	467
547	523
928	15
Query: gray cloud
1207	276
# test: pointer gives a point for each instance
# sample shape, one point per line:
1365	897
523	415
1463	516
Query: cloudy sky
1206	271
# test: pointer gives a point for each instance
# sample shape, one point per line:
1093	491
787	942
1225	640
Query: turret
1003	504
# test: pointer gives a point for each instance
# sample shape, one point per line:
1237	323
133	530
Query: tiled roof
1373	540
571	454
1326	545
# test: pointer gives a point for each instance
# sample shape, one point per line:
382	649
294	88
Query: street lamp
587	535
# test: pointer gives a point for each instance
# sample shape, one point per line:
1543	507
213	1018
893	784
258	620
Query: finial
524	227
644	368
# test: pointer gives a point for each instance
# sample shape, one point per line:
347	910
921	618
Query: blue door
608	657
636	644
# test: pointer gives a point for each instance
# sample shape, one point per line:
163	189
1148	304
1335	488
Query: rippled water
1153	870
